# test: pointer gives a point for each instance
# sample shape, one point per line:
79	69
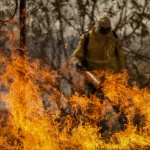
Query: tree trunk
22	27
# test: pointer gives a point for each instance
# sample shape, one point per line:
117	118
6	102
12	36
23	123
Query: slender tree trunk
92	13
22	49
22	27
62	37
61	32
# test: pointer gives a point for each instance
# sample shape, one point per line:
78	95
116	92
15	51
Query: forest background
53	28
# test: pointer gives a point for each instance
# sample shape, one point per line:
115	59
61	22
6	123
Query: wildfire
27	124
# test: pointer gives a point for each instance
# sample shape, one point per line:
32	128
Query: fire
27	124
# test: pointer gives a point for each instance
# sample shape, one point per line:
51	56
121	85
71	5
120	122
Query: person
104	50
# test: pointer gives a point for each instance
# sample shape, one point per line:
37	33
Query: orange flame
29	125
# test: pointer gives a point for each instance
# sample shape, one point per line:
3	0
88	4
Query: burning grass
27	124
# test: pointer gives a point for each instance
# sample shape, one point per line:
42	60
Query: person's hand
79	65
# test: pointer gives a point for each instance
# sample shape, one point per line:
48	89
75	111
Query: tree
22	23
57	10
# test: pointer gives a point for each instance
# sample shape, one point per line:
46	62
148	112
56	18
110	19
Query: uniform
101	51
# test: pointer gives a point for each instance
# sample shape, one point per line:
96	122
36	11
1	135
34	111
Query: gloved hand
79	66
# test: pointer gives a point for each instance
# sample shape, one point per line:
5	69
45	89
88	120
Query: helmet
104	22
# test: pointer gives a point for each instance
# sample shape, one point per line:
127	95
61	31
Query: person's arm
77	56
120	55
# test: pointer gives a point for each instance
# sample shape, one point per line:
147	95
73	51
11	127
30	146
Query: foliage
52	23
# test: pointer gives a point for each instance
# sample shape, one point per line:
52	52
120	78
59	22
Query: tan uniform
100	52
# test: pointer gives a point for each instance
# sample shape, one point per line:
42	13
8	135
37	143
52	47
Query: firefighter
100	51
103	49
